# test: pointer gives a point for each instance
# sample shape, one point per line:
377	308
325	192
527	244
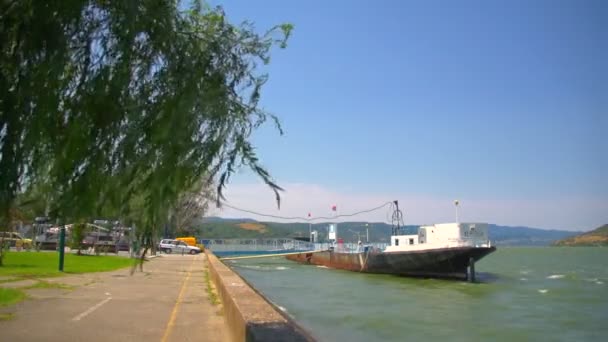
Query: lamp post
61	247
367	232
456	203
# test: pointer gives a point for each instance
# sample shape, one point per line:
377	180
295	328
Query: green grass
213	298
48	285
10	296
6	316
2	281
45	264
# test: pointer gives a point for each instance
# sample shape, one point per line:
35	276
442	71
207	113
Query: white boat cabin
442	236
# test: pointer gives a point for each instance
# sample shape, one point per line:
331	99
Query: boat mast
397	218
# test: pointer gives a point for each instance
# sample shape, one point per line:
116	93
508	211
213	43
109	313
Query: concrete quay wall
249	315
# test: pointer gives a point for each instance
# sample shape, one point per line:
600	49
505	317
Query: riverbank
248	314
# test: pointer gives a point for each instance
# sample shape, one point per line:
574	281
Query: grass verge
10	296
8	280
45	264
213	298
6	316
41	284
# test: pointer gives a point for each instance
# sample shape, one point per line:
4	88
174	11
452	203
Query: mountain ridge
216	227
596	237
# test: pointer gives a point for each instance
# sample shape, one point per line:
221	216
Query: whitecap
599	282
523	279
322	267
524	272
282	308
543	290
556	276
252	267
280	268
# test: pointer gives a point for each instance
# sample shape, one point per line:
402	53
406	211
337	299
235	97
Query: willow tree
127	104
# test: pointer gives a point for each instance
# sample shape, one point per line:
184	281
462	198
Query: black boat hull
436	263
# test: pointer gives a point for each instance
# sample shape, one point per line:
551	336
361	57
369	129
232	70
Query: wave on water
556	276
523	279
263	267
543	291
253	267
321	266
594	280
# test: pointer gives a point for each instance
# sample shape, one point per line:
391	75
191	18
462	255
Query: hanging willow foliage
121	106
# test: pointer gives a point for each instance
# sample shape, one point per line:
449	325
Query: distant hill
526	236
596	237
214	227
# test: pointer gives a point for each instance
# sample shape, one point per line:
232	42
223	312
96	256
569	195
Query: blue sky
501	104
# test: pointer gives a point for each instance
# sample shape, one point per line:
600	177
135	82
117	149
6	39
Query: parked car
174	246
14	239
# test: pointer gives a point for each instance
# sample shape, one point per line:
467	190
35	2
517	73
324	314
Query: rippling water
534	294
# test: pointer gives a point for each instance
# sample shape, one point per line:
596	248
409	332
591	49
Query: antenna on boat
397	218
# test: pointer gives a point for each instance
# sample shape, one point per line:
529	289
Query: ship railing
350	247
467	243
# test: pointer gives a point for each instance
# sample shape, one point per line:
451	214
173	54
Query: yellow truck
190	240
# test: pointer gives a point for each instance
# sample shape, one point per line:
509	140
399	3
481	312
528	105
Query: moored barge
447	250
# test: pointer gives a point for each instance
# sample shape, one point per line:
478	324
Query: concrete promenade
167	302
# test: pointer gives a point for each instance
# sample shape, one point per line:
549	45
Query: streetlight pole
456	203
61	247
367	231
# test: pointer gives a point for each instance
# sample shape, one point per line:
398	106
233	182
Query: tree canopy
122	106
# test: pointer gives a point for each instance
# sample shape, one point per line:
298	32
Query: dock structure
269	255
262	246
269	246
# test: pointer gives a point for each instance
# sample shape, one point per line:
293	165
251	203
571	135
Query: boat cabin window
396	242
411	241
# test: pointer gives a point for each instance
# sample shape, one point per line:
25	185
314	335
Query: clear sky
500	104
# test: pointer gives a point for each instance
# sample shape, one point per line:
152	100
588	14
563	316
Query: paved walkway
167	302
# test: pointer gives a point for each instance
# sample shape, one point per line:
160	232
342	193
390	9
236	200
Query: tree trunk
140	261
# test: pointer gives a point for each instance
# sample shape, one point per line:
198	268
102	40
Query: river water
524	294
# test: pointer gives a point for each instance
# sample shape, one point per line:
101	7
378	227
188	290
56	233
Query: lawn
10	296
45	264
